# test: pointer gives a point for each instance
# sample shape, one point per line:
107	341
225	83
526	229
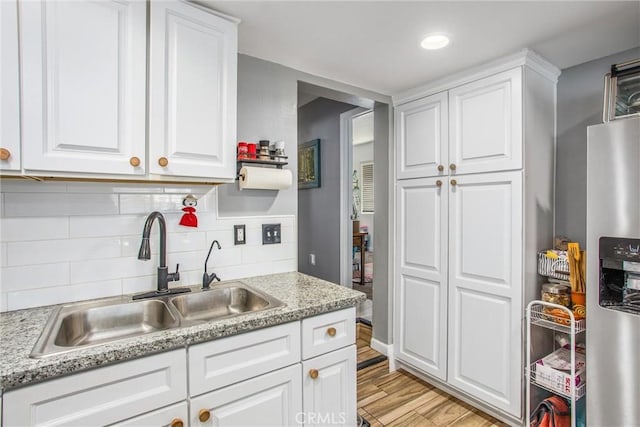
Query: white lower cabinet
101	396
329	388
273	399
258	378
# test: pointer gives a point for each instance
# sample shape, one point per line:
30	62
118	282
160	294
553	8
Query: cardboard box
554	370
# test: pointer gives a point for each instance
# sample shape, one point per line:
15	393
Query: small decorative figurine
189	219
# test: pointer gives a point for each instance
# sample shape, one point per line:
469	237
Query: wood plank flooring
403	400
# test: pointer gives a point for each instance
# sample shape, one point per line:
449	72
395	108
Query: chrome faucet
208	278
164	277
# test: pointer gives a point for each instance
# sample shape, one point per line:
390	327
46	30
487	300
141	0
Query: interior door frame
346	191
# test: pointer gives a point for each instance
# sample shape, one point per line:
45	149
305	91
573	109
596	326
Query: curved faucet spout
145	250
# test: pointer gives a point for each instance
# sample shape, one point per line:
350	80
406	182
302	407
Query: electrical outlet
239	236
271	234
312	259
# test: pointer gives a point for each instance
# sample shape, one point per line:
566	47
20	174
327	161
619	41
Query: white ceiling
375	45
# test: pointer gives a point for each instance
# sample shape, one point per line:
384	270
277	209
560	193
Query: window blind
366	170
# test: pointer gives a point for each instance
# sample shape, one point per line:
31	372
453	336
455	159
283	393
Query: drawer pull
204	415
4	154
454	182
452	166
438	183
440	168
177	422
331	332
313	373
163	161
134	161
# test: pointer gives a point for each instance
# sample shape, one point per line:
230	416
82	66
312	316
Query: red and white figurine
189	219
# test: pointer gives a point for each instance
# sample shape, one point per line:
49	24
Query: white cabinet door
422	137
83	80
485	123
9	88
273	399
100	396
421	278
329	389
164	417
192	98
485	288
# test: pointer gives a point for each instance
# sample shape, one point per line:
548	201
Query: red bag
552	412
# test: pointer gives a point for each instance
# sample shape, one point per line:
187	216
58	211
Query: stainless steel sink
222	301
82	325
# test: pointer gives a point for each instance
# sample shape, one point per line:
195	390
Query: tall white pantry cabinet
474	163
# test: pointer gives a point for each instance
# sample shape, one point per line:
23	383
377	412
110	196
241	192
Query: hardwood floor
401	399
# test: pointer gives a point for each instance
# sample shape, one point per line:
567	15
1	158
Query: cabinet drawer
229	360
101	396
162	417
327	332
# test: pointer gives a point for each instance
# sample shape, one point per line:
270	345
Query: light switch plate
271	234
239	234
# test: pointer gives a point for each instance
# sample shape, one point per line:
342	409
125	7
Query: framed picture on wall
309	164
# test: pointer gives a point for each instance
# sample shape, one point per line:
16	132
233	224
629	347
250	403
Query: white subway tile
100	226
187	260
225	257
50	251
1	205
29	186
34	276
113	188
252	254
147	203
61	294
131	245
136	285
59	204
3	255
114	268
224	237
244	270
3	302
186	242
26	229
285	266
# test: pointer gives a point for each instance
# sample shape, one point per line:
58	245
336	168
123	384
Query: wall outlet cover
271	234
239	234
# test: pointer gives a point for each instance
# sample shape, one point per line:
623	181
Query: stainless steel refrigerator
613	274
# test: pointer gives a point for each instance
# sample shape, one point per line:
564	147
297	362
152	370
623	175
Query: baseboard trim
380	347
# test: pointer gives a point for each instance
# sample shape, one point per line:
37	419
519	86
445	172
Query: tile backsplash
62	242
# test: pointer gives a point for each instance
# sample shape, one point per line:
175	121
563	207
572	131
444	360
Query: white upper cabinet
192	99
485	287
9	88
422	137
83	82
485	124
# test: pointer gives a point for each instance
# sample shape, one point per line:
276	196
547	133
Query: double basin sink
83	325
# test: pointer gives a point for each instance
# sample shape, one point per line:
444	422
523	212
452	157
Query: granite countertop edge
303	295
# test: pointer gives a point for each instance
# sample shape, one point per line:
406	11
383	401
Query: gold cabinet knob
163	161
454	182
204	415
313	373
331	332
452	166
4	154
177	422
440	168
438	183
134	161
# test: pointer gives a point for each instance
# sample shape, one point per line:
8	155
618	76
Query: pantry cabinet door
9	88
485	124
421	275
192	99
422	137
273	399
83	81
485	288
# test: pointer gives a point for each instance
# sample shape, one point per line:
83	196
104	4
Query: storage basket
554	268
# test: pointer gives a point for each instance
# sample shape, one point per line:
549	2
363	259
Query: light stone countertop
303	295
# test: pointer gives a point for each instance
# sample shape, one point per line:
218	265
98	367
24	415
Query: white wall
63	242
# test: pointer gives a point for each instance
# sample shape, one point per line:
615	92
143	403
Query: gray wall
580	91
319	208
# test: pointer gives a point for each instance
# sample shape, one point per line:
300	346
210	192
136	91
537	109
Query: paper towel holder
259	164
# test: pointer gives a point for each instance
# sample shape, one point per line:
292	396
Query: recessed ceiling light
435	41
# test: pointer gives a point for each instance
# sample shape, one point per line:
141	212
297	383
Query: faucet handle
175	276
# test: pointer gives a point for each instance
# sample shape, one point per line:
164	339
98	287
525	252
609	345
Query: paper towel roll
264	178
